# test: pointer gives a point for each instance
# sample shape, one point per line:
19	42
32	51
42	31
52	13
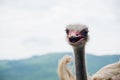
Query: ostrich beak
74	37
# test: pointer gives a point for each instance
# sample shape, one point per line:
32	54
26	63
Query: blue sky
36	27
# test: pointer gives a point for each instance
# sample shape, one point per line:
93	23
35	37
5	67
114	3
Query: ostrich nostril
77	34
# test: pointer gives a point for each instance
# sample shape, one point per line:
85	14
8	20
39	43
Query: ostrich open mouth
75	39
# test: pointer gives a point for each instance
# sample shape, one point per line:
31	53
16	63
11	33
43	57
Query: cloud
37	27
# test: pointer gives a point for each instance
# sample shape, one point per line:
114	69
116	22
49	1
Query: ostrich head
77	35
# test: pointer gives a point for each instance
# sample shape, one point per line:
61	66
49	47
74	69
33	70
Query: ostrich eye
84	32
67	31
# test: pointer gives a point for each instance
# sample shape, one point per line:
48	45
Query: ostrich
77	36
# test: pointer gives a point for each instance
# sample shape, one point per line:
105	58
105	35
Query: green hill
45	67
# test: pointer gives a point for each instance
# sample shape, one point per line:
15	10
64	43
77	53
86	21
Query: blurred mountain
44	67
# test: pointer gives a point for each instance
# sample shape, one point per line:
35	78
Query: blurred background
32	35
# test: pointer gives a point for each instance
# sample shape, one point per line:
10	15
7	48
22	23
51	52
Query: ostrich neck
81	73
